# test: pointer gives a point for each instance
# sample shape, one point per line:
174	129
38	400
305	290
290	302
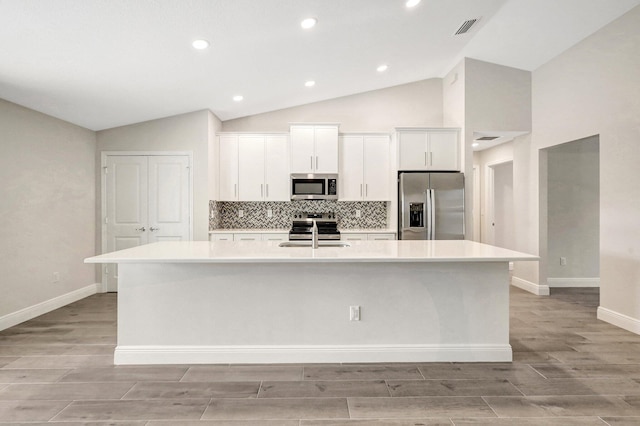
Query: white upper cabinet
251	168
228	167
254	167
314	148
364	168
276	175
429	149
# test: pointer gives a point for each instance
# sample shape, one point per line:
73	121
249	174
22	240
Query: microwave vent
487	138
466	26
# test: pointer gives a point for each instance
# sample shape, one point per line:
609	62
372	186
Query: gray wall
573	206
593	89
47	208
413	104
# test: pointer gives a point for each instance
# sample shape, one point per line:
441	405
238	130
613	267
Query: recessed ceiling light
475	144
308	23
238	98
310	83
200	44
382	68
412	3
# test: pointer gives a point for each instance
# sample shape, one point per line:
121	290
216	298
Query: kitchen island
255	302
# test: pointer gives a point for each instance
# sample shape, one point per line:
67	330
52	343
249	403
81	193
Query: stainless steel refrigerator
430	206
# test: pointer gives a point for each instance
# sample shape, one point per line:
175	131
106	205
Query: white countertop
269	252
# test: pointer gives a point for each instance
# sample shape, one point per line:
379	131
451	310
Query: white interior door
127	207
501	218
169	180
147	199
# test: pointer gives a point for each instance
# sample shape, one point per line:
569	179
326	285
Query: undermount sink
320	244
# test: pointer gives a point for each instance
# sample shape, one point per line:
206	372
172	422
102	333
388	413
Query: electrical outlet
354	313
56	277
269	213
240	213
358	214
563	261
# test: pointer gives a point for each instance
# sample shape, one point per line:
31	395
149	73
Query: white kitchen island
255	302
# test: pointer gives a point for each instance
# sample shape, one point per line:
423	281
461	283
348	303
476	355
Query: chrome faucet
314	235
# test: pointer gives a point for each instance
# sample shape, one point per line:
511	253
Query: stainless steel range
302	227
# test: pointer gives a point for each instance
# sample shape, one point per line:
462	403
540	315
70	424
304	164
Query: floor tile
561	405
109	423
501	371
602	386
61	361
65	391
622	421
31	375
179	390
4	360
418	407
126	374
452	388
242	373
379	422
27	350
91	350
588	370
186	409
538	421
224	423
277	408
363	372
323	389
23	411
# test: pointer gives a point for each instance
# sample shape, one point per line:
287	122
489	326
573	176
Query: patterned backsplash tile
224	214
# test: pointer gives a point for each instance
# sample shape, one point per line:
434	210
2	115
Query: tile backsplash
225	214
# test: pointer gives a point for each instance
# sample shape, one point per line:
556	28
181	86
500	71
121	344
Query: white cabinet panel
352	237
314	149
381	236
302	149
364	168
247	237
283	236
351	168
443	147
250	168
221	237
276	177
371	236
228	168
429	149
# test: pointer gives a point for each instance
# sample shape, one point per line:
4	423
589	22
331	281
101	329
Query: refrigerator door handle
433	213
427	195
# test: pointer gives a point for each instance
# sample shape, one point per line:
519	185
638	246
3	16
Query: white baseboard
537	289
286	354
41	308
619	320
573	282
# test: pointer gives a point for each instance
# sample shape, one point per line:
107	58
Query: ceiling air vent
487	138
466	26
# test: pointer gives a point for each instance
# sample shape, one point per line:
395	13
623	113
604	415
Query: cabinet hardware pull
261	190
361	190
311	158
141	229
235	190
267	190
425	158
317	163
366	190
431	158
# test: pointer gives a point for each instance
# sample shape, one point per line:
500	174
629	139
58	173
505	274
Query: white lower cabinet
372	236
249	236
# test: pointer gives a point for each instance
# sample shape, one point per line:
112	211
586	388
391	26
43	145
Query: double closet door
148	199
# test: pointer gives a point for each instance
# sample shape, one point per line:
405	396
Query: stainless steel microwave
314	186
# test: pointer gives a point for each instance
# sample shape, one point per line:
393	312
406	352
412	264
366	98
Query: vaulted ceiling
106	63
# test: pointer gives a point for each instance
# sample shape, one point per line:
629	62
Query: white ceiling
107	63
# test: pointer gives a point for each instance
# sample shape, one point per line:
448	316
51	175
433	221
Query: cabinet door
351	168
381	236
221	237
247	237
413	150
353	237
326	149
276	169
376	168
302	155
281	236
443	147
250	168
228	168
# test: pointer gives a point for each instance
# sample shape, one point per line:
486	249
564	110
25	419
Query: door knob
154	229
141	229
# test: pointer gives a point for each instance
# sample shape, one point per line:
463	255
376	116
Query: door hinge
106	170
106	220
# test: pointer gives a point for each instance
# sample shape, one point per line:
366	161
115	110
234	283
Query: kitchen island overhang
254	302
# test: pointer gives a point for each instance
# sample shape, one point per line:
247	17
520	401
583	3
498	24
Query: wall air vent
487	138
466	26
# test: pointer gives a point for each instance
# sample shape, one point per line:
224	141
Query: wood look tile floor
569	369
